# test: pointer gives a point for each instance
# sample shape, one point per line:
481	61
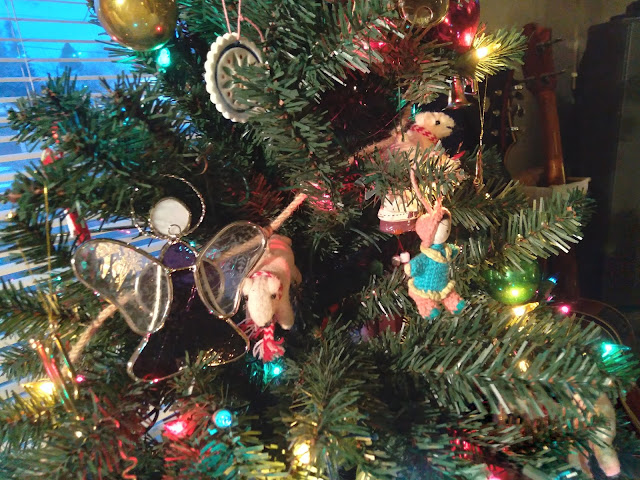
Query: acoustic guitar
540	77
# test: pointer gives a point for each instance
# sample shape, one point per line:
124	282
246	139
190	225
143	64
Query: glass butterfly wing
190	329
225	262
131	279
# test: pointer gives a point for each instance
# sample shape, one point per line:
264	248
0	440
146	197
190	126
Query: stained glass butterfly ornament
182	302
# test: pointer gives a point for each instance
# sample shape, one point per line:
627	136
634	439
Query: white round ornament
228	52
170	218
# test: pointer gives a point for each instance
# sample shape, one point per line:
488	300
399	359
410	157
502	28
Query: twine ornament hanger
227	53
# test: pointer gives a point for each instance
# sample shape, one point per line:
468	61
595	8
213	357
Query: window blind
38	38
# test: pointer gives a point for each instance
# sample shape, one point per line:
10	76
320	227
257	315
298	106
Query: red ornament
460	25
375	327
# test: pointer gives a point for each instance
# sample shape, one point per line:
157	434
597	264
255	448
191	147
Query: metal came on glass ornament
138	24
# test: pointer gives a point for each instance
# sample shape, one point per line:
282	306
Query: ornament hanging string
240	19
110	310
63	379
478	181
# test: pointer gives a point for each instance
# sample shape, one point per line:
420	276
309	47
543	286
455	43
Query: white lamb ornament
399	211
428	129
266	292
605	453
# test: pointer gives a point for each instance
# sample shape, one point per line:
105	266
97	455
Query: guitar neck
554	163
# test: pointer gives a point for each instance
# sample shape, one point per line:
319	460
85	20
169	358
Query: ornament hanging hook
418	192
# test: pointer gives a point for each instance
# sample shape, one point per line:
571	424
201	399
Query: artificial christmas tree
301	88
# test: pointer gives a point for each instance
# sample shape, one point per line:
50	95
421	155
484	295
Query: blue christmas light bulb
223	418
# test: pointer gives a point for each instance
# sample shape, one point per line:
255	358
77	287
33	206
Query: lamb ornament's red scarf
267	348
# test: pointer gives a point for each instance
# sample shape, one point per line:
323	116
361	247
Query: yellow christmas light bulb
524	365
520	310
46	387
302	452
482	52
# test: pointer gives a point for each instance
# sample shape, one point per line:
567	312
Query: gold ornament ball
424	13
138	24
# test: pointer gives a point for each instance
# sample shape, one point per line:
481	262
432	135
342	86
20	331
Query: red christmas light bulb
177	428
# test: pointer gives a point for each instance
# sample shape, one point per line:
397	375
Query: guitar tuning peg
517	88
495	133
496	113
544	45
516	129
547	76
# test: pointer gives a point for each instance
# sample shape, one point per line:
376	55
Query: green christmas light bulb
164	58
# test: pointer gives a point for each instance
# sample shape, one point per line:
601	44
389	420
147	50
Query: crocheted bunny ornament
430	286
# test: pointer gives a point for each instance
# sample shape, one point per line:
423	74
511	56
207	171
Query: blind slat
44	20
19	156
44	79
56	60
47	40
15	99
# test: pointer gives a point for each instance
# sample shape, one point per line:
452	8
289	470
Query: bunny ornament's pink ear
428	223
